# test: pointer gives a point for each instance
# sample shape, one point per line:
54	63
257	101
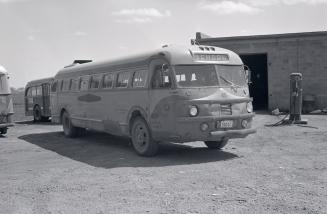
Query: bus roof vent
201	48
81	61
212	48
207	48
78	61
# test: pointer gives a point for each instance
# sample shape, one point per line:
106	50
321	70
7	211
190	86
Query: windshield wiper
230	82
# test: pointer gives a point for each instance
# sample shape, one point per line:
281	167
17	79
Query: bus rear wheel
142	140
37	114
69	129
45	119
216	144
3	130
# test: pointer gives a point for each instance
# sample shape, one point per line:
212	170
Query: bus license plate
226	124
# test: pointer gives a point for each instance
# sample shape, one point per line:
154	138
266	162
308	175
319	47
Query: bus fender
136	111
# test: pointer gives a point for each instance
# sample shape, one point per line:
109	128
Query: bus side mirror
248	74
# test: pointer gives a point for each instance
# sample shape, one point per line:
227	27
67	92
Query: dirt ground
277	170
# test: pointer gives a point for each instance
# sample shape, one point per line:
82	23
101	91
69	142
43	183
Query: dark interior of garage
259	86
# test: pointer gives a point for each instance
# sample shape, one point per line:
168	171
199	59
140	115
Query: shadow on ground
31	122
103	150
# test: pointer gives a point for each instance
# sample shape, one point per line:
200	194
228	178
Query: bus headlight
193	111
249	107
244	123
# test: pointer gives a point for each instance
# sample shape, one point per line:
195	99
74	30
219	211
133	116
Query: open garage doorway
259	87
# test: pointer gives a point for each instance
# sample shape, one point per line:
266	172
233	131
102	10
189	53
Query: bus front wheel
216	144
37	114
69	129
142	140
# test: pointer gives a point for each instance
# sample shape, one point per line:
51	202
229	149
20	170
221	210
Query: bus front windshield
209	75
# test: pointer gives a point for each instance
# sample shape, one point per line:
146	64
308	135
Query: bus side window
34	91
139	79
74	85
95	81
161	78
66	85
122	80
84	83
54	86
39	91
108	80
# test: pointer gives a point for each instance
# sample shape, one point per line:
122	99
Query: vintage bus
37	99
6	103
175	94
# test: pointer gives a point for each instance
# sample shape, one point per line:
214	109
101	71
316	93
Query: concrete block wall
286	54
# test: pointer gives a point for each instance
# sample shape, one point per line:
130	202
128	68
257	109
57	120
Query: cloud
140	15
249	6
11	1
228	7
285	2
80	33
31	38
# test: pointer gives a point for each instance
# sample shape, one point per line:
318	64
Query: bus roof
39	81
175	55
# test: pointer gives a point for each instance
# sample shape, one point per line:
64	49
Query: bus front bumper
189	129
233	133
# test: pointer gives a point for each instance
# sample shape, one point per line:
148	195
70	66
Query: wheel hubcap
141	135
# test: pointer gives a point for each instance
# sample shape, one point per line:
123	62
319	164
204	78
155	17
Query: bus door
161	93
46	99
54	101
28	102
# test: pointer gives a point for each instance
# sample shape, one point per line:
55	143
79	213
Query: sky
39	37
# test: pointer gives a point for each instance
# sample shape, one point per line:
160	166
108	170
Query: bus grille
226	109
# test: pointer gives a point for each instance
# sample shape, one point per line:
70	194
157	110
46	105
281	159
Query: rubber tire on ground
216	144
45	119
37	114
3	131
142	140
69	129
81	131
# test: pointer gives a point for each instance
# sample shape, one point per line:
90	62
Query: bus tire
69	129
45	119
142	140
216	144
81	131
3	131
37	114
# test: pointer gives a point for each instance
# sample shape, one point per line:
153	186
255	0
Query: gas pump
296	99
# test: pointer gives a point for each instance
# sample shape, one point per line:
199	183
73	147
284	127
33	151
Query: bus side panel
55	111
163	115
123	101
69	101
96	104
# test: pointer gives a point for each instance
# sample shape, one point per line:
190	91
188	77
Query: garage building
272	58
